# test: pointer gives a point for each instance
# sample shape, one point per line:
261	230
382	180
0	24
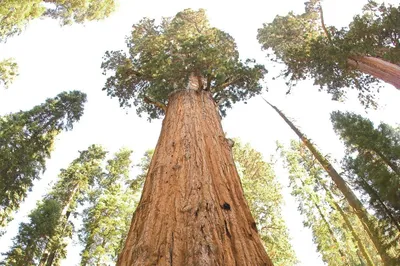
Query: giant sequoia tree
192	210
26	141
355	57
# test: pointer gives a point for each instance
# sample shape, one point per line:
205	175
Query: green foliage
43	238
79	11
319	203
372	164
16	14
8	72
26	141
309	49
263	194
162	57
107	220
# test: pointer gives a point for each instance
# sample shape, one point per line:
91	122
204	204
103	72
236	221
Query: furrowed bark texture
378	68
192	210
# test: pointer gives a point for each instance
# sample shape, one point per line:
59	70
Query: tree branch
328	35
155	103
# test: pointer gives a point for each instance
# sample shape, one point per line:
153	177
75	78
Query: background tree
106	221
334	234
26	141
365	218
192	210
263	194
336	59
42	241
372	164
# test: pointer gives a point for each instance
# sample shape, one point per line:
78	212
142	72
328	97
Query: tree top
162	57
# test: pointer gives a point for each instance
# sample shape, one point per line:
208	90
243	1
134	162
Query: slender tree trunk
378	68
192	210
351	198
360	244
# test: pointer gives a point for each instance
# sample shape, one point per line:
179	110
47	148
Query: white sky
54	59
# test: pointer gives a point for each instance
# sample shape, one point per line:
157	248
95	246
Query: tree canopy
162	57
310	49
26	141
15	14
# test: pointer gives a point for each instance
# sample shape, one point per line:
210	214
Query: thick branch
155	103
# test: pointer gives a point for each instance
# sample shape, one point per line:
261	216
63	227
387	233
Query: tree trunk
192	210
351	198
378	68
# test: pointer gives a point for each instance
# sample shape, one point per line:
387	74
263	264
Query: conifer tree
26	141
332	229
355	57
368	222
263	194
106	220
43	240
372	164
192	210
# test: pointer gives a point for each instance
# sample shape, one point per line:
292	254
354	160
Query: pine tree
26	141
368	222
43	240
192	210
107	220
372	165
263	194
332	230
337	59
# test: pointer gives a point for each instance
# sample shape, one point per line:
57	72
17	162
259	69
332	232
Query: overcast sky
54	59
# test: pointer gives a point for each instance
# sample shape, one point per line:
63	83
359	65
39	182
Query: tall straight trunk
351	198
192	210
360	244
378	68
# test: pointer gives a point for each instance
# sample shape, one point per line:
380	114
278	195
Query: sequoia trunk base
192	210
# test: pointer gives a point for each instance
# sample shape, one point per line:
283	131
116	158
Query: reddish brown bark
192	210
378	68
